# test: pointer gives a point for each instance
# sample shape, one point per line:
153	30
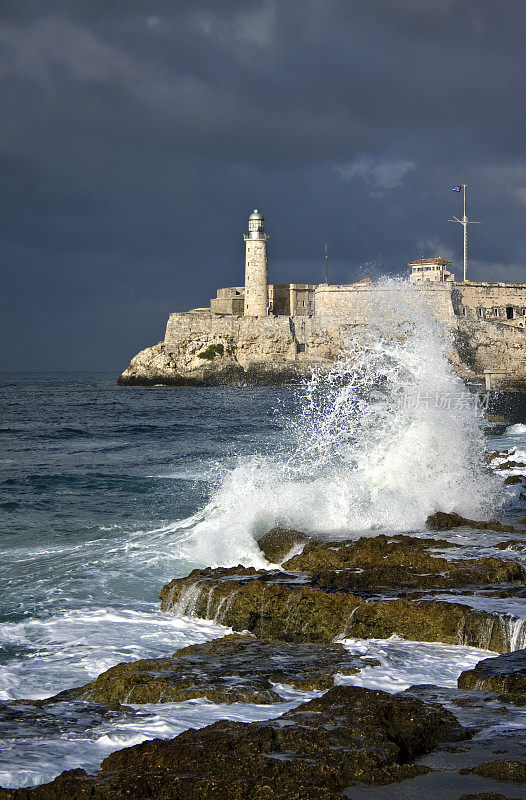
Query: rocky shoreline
155	366
290	619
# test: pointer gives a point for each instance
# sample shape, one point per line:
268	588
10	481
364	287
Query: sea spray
387	437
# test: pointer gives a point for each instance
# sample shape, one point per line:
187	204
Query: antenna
464	222
326	264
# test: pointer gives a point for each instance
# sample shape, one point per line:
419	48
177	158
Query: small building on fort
430	270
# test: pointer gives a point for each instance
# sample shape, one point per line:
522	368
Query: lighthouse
256	270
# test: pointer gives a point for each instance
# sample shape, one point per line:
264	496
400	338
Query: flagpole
464	222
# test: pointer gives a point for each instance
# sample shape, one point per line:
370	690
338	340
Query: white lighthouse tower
256	270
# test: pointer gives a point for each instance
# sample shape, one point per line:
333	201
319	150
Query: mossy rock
378	551
501	770
283	607
511	544
278	542
233	669
314	751
396	562
441	521
514	480
443	575
491	456
506	673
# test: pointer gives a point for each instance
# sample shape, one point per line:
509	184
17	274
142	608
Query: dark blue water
78	451
84	461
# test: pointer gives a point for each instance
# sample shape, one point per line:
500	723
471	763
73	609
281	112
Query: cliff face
201	348
208	349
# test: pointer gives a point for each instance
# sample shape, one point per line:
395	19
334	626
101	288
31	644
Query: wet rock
441	575
486	796
228	670
151	366
271	605
377	551
429	620
494	429
43	718
509	771
506	673
440	521
278	543
521	521
514	480
315	751
284	606
491	456
511	465
396	562
511	544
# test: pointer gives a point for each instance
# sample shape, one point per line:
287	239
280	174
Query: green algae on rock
228	670
397	562
285	607
501	770
442	521
395	549
278	542
349	734
506	673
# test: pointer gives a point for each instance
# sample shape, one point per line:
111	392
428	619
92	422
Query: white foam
355	458
516	430
405	663
41	759
73	647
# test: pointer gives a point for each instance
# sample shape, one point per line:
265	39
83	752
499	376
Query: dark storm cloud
137	136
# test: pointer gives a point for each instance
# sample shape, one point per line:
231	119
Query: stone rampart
360	304
204	347
487	345
503	302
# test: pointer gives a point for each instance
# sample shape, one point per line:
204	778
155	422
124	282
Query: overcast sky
138	135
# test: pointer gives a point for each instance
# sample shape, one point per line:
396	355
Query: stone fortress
263	333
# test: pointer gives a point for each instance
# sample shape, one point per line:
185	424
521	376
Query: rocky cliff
201	348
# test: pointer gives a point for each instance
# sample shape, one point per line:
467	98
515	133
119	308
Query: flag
456	188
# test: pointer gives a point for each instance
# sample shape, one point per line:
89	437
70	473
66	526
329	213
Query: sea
109	492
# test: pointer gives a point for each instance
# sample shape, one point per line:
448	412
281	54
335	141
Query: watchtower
256	269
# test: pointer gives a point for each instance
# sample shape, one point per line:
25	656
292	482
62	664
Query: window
510	312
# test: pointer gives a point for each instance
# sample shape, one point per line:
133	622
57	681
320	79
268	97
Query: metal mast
465	222
326	264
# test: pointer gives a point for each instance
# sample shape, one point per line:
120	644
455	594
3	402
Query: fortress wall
301	299
492	300
484	344
272	342
245	339
359	305
227	305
